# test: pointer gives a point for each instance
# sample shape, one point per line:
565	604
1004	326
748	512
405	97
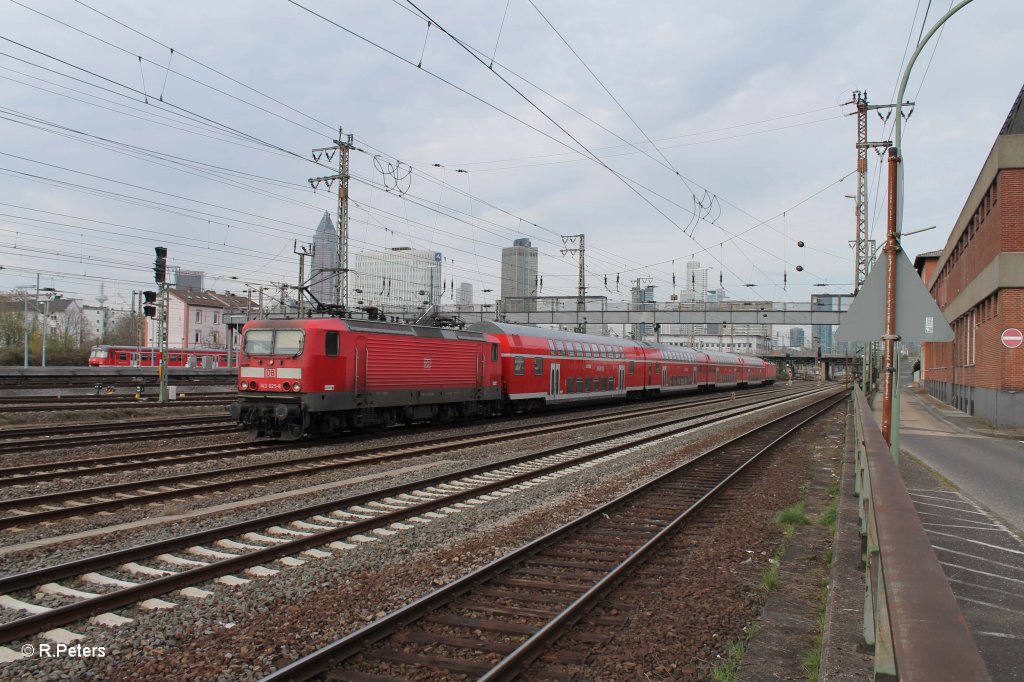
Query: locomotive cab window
494	352
332	344
274	341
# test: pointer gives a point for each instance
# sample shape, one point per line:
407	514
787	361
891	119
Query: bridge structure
565	311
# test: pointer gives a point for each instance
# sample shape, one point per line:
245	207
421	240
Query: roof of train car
374	327
556	334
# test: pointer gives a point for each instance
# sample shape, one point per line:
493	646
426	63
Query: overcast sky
103	156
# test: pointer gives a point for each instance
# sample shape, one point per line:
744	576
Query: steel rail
33	624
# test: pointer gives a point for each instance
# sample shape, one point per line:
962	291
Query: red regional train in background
326	375
142	356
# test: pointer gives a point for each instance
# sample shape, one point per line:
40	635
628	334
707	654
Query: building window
199	316
215	316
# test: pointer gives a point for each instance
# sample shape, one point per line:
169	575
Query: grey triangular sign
918	317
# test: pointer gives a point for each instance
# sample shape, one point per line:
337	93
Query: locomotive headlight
252	385
295	387
242	385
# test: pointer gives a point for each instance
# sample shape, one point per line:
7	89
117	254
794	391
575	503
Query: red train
325	375
142	356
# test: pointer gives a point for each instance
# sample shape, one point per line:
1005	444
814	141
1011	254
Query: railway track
494	622
199	426
23	511
50	430
76	404
296	536
100	465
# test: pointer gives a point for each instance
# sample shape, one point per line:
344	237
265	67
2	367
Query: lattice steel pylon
862	263
581	294
342	146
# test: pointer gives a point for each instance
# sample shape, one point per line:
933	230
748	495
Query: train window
561	348
538	366
494	352
519	366
288	341
122	356
332	344
259	341
551	347
569	385
579	385
631	365
589	384
570	349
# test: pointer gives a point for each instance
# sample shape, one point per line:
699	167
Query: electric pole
302	252
342	146
581	291
862	245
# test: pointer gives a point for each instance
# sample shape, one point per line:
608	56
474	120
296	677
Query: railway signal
160	265
149	305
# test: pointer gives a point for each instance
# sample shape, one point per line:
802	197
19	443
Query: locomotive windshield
274	341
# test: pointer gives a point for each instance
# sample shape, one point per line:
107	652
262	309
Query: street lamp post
890	390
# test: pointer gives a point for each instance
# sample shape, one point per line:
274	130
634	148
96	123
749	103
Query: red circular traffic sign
1012	338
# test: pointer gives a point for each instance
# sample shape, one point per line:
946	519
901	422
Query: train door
664	375
361	365
622	378
134	359
556	379
480	369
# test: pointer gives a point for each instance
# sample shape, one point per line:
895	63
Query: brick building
978	281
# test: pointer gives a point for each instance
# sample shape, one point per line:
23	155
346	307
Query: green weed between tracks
725	671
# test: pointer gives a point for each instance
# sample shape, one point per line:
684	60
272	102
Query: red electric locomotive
324	375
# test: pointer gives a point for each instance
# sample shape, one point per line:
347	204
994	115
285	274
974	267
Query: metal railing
911	618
